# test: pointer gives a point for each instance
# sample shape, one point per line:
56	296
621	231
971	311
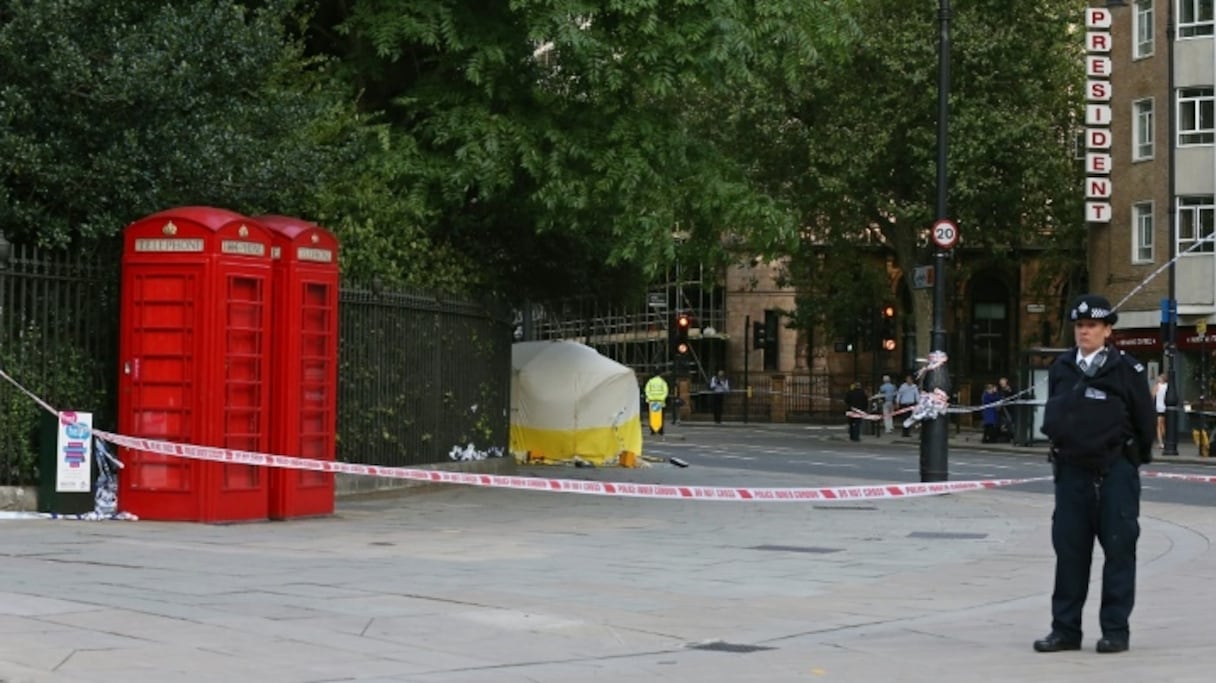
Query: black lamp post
1171	323
934	447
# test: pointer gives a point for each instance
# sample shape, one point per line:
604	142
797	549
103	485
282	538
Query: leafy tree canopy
864	132
560	143
111	109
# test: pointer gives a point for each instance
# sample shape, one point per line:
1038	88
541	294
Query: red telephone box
194	353
304	374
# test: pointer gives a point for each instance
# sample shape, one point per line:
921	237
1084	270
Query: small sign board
1035	308
74	453
922	277
656	300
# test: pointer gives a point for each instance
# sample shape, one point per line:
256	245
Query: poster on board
74	453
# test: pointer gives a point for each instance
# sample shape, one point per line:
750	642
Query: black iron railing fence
786	397
420	376
59	338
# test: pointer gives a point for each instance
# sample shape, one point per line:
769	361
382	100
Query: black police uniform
1101	422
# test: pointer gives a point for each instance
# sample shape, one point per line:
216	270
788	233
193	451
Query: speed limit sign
945	233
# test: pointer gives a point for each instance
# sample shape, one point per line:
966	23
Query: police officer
1099	417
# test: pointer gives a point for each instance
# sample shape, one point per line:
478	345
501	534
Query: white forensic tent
567	400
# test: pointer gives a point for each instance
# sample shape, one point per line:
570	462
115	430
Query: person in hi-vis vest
656	399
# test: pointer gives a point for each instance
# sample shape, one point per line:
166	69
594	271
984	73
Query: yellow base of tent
596	445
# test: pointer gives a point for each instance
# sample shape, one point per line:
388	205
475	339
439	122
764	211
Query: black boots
1055	642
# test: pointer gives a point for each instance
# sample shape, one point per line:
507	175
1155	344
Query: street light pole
933	444
1171	324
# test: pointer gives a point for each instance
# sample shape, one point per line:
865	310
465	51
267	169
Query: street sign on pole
945	233
656	300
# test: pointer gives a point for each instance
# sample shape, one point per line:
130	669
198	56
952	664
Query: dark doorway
990	325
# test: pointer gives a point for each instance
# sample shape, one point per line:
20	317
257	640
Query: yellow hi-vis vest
656	389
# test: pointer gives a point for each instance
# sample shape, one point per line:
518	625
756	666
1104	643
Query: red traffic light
683	321
888	311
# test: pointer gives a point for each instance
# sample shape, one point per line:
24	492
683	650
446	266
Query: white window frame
1196	116
1142	233
1194	18
1196	219
1143	29
1143	116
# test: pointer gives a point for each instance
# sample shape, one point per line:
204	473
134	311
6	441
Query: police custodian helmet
1093	307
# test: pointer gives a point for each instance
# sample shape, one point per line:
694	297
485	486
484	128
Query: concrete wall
18	498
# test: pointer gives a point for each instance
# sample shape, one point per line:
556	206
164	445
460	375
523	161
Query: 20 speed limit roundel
945	233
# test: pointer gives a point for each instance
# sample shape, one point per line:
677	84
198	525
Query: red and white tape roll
595	488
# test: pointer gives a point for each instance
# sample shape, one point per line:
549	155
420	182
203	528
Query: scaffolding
638	334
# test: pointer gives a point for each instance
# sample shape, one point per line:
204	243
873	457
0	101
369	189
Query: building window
1194	18
1142	131
1142	29
1196	116
1142	220
1196	221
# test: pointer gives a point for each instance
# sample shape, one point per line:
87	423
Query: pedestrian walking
1099	418
1005	429
989	417
907	396
887	391
1159	390
856	400
720	387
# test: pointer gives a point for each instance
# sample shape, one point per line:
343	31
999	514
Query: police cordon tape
1194	478
554	485
596	488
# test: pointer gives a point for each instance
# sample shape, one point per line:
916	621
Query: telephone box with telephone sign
304	371
194	362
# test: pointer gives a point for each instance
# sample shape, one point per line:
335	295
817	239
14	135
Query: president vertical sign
1097	115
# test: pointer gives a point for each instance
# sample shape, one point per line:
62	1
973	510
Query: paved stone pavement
473	585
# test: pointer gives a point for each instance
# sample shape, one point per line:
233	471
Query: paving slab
468	584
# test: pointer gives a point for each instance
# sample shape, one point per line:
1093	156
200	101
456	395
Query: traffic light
759	335
887	329
683	324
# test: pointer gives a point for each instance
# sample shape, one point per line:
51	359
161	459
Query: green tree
560	143
863	131
111	109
